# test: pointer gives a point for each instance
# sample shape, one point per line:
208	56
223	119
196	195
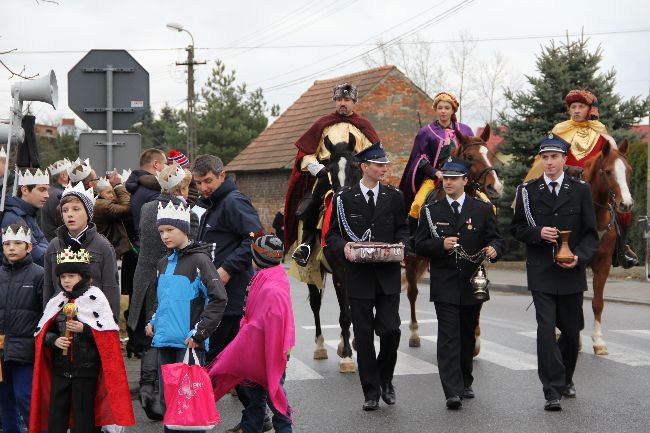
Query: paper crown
59	166
79	170
170	211
20	235
69	256
37	178
3	152
125	174
102	183
85	194
174	174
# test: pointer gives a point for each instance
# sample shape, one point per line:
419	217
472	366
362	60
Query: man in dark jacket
50	215
31	196
371	211
543	207
142	184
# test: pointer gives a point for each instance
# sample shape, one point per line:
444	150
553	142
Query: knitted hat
86	196
73	262
177	157
171	215
267	251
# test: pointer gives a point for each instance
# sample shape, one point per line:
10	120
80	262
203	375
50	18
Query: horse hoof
477	348
347	365
600	350
320	353
339	350
414	342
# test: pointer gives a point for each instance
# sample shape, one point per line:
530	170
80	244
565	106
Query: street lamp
191	130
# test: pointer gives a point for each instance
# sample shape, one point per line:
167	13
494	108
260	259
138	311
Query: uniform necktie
455	205
553	185
371	201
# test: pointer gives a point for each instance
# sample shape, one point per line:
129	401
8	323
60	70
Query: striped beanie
177	157
267	251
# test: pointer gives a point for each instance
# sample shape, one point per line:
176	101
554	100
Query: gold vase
564	254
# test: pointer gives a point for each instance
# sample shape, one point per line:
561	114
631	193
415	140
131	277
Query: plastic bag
189	396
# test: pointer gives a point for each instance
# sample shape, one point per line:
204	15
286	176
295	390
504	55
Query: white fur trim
86	307
611	140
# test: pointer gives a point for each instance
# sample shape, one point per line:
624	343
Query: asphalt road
612	390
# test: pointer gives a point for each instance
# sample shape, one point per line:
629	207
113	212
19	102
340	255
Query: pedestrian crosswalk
420	361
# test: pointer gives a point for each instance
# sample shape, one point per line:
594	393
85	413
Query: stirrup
298	257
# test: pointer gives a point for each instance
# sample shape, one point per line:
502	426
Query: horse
482	179
343	171
608	173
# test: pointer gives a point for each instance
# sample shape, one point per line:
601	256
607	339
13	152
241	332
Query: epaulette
392	187
343	190
575	179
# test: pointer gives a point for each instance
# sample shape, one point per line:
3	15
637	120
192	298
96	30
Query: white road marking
404	322
298	370
641	333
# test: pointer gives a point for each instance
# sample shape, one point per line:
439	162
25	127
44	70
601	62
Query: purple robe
431	144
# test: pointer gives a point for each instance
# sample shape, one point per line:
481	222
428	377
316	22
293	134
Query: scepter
70	311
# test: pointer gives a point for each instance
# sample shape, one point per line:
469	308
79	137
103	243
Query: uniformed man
543	207
372	211
310	175
454	224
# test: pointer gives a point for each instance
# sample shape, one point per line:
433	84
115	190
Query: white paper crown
79	170
125	174
59	166
21	235
79	190
103	183
172	212
3	152
37	178
176	175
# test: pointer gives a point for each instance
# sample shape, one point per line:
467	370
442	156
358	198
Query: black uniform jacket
387	224
476	229
571	210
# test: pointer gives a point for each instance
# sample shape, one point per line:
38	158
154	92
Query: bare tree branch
20	74
47	1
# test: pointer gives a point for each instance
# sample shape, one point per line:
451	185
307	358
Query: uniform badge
469	224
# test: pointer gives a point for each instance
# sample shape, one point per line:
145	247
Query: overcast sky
303	40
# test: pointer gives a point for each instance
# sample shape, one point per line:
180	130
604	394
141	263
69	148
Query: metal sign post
15	111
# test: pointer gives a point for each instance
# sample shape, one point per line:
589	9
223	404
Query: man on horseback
586	136
543	207
309	180
371	211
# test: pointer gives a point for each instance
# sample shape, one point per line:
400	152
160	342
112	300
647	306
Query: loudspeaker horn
44	90
4	135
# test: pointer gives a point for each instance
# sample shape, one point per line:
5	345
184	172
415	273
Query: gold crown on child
69	256
19	235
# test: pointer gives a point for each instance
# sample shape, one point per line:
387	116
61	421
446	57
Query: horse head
482	173
609	176
342	166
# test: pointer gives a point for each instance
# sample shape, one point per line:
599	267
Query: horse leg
315	300
414	269
477	334
601	267
344	350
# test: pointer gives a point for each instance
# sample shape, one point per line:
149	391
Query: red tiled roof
494	140
642	130
273	149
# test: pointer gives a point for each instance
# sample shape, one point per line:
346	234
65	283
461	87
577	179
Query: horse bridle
476	181
610	205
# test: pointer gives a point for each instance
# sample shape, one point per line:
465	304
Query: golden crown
69	256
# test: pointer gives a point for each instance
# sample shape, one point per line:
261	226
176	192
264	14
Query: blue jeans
15	395
255	411
171	355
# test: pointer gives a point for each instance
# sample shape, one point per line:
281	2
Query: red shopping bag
189	396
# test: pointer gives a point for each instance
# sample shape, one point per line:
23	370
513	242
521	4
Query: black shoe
467	393
150	403
235	429
454	403
569	391
268	425
371	404
553	405
301	254
388	393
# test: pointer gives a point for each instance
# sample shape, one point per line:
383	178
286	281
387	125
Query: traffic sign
126	151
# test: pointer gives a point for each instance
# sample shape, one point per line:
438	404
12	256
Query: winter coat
228	223
18	210
109	216
85	360
51	218
190	297
143	187
103	266
152	250
21	306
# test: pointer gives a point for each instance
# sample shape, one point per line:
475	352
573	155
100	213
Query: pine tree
534	112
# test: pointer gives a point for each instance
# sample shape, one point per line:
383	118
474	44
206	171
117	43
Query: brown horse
608	173
482	178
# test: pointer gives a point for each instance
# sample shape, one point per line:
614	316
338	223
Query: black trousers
225	333
556	360
455	345
384	321
78	391
310	217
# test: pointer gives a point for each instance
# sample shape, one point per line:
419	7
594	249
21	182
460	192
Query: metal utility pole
191	96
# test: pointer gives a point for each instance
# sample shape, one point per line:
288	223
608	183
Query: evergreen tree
164	133
534	112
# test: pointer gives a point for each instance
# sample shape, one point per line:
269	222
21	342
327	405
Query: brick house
387	98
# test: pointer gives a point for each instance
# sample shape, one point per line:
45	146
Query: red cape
112	399
300	181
